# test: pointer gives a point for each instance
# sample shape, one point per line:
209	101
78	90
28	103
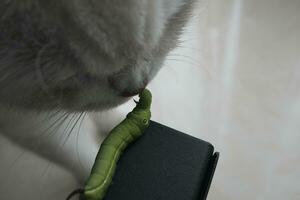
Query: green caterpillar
131	128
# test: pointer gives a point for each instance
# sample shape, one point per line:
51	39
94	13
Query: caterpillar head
141	114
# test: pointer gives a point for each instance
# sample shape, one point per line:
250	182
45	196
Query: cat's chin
100	106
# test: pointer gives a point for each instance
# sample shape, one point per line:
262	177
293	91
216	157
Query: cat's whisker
50	115
192	49
77	119
189	58
77	141
57	124
43	179
65	131
38	138
54	123
184	61
13	163
16	159
71	130
44	174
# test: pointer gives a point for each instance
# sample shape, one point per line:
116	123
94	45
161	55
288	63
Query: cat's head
84	54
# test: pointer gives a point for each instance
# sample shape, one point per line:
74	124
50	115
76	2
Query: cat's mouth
100	106
76	100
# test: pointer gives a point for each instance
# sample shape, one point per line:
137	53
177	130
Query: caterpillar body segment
131	128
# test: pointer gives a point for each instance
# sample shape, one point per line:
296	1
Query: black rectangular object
164	164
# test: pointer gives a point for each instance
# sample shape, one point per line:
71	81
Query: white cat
61	60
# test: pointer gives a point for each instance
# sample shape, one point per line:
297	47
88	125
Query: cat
62	60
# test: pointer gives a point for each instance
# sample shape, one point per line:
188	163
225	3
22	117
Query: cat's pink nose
130	90
131	93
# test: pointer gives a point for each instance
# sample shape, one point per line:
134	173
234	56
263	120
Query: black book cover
164	164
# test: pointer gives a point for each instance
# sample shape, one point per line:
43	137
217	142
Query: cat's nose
129	91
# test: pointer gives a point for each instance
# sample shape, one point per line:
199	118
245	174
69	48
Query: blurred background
233	81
